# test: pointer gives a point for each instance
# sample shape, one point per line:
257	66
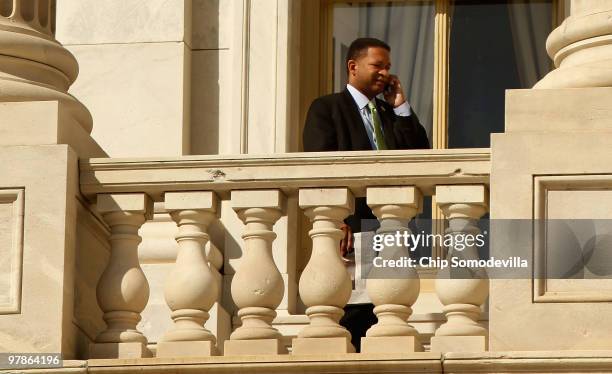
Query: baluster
325	285
215	263
257	287
393	290
462	291
191	288
123	290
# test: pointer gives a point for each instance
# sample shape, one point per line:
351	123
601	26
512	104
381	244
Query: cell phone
388	88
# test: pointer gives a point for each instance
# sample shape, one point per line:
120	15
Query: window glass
493	46
408	28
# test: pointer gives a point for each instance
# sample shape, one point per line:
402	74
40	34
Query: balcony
228	263
265	197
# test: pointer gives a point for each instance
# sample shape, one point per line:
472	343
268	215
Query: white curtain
531	23
408	28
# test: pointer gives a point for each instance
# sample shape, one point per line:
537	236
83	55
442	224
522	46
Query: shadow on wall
209	53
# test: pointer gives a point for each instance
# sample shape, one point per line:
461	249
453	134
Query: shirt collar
361	99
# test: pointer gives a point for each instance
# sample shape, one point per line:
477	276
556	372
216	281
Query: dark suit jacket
333	123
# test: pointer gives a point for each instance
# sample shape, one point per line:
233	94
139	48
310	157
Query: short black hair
360	46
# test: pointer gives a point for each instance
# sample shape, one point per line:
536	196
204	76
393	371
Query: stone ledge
554	110
425	362
529	362
44	123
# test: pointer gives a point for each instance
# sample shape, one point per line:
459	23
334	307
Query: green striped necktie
378	134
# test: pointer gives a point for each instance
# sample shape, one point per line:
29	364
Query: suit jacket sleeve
410	133
319	131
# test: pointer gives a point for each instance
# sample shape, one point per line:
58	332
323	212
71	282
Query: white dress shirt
362	103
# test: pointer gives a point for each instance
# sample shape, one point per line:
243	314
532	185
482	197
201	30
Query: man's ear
351	65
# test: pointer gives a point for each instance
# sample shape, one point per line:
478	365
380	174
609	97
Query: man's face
370	72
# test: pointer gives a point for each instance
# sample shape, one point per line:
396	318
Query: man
343	122
354	120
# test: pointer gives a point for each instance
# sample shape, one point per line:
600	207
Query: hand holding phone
393	93
388	89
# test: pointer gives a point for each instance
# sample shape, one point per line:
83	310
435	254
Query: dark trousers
357	319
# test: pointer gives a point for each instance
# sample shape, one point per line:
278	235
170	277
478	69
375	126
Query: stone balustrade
395	291
257	190
123	290
191	288
257	286
462	290
325	285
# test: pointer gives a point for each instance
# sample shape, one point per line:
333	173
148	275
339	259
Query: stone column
34	67
139	48
191	288
325	285
559	131
462	291
393	290
123	290
581	47
257	287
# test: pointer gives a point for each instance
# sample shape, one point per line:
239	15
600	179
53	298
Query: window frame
443	12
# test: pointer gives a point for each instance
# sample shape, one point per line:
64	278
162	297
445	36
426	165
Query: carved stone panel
573	236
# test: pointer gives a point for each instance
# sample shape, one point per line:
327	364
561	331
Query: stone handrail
324	185
287	172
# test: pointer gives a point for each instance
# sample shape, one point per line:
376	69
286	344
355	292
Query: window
408	28
455	58
493	46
